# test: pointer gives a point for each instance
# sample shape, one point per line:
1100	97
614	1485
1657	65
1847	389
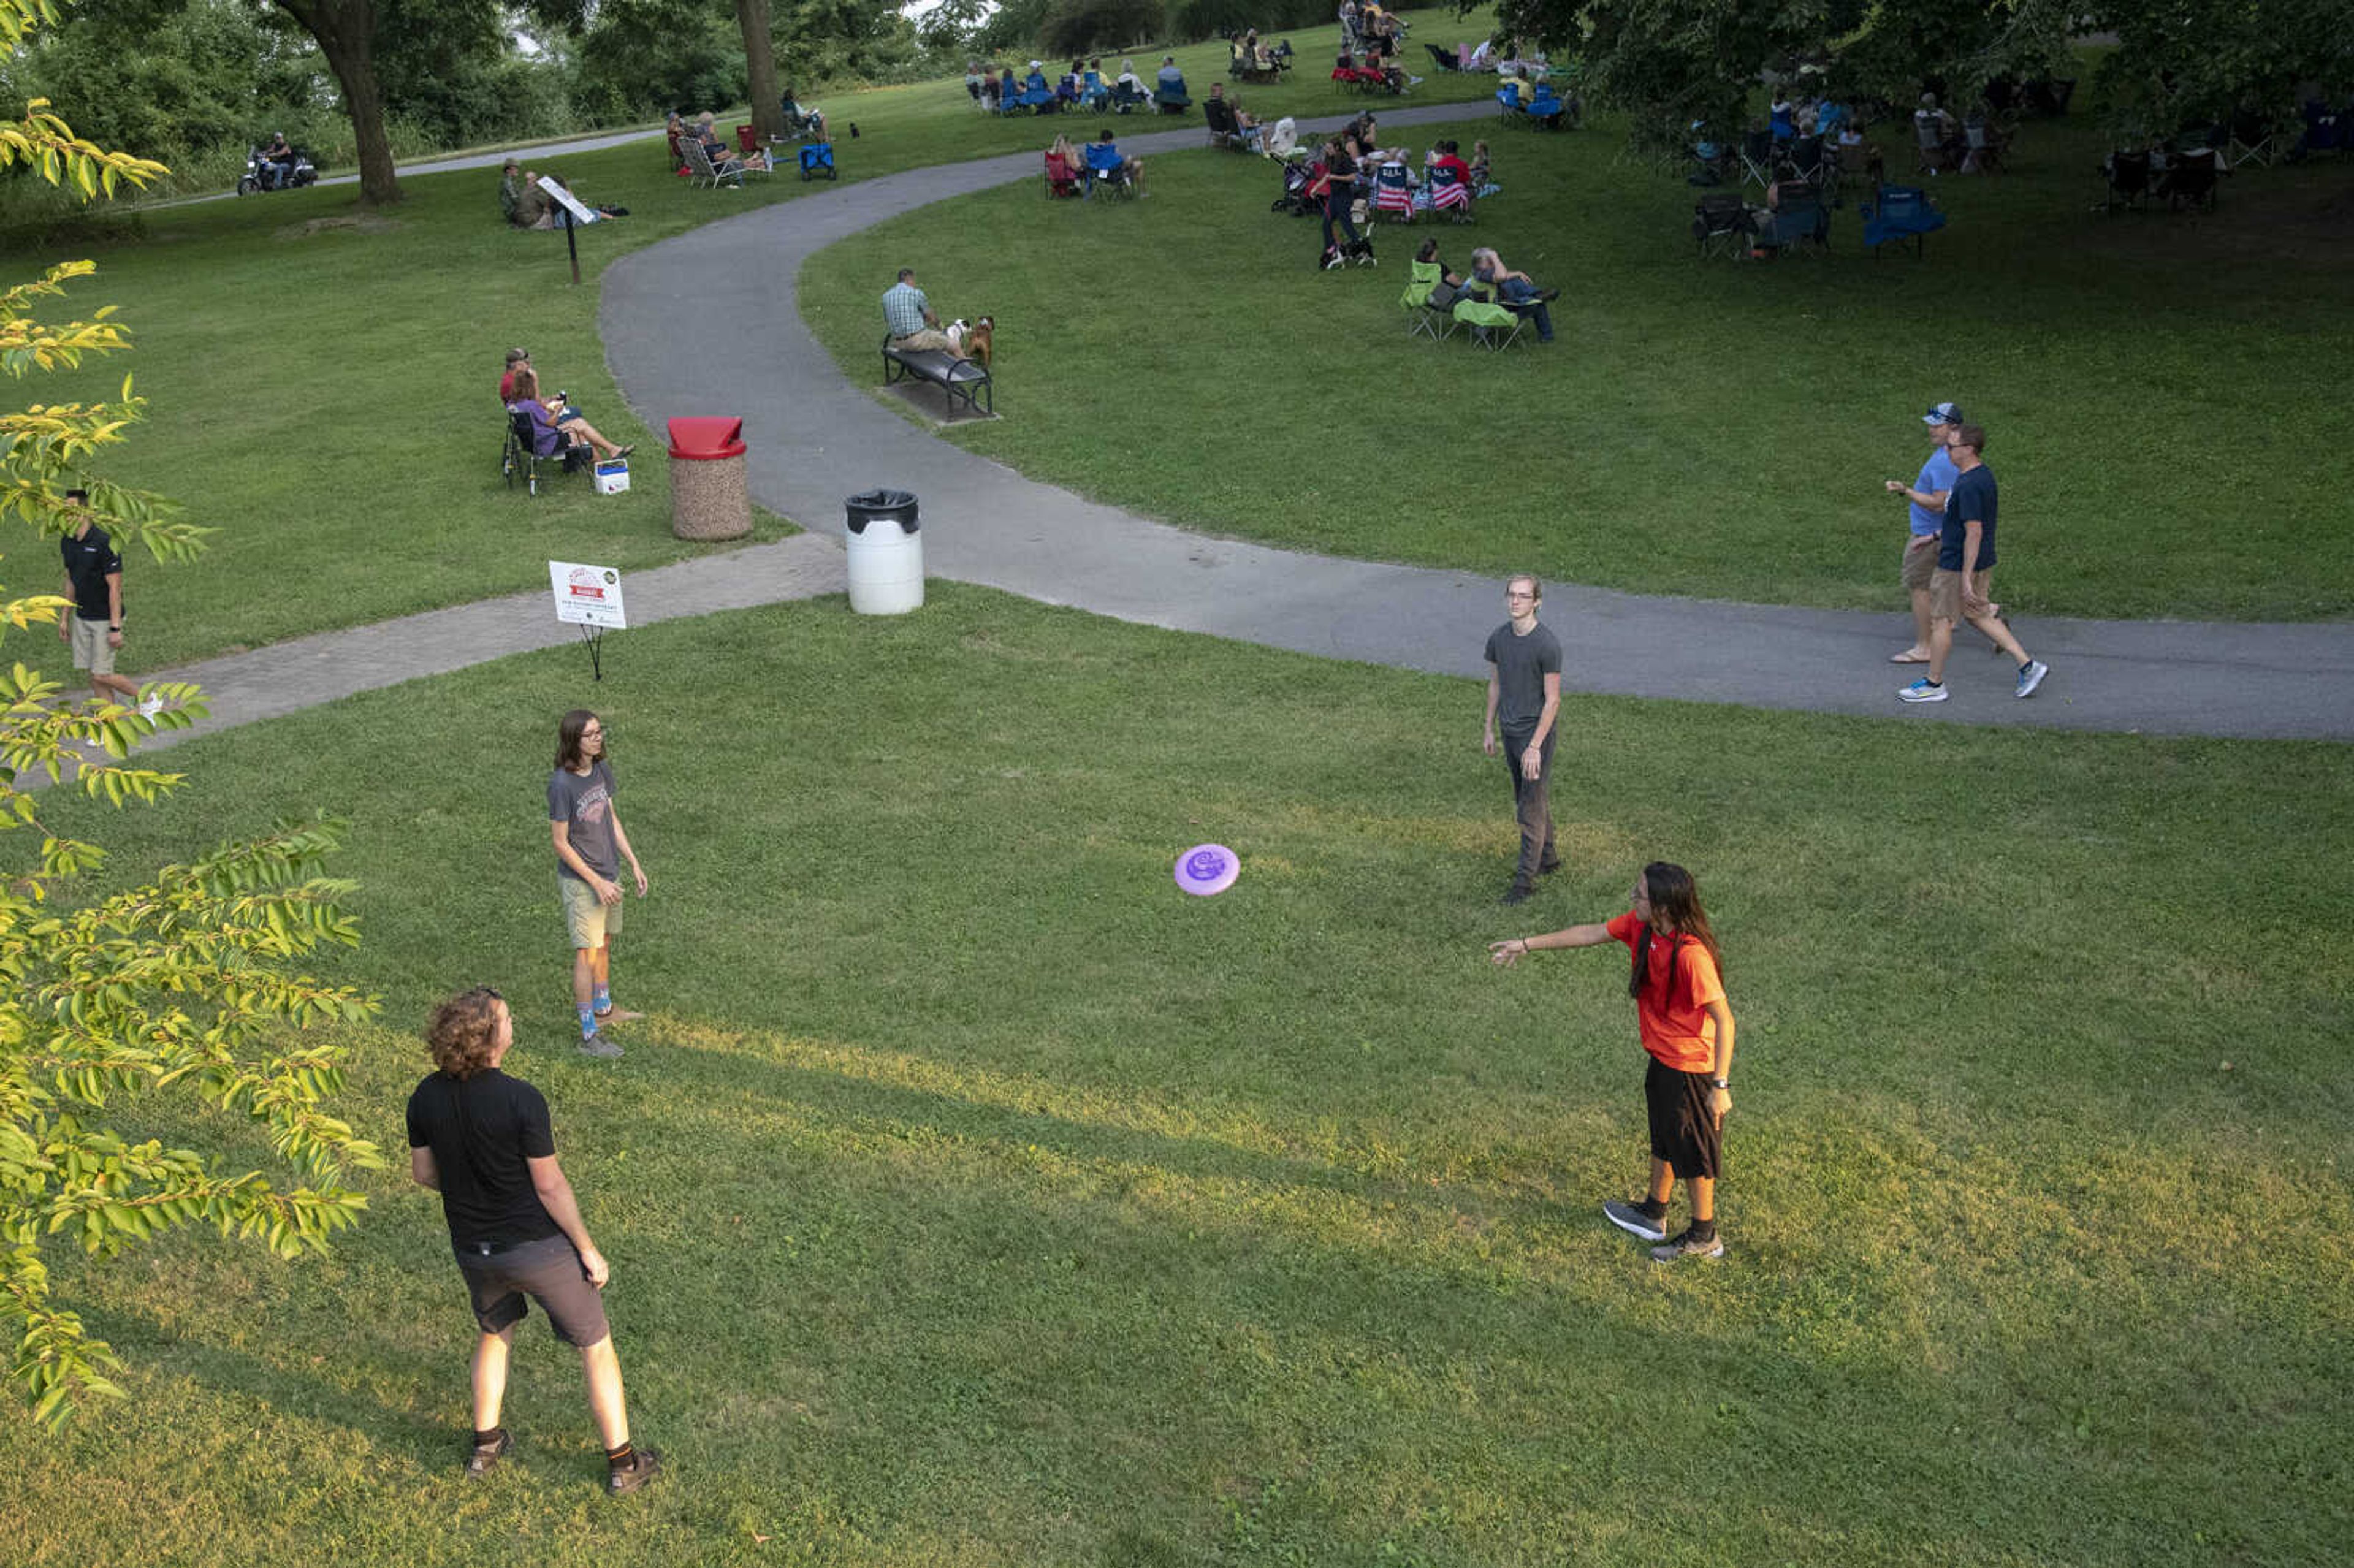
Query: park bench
959	378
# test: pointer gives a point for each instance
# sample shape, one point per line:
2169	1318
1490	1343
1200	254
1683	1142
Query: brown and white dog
981	339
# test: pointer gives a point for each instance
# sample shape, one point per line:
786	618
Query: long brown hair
464	1032
568	737
526	384
1675	909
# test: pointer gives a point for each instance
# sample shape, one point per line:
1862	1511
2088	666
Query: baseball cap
1942	414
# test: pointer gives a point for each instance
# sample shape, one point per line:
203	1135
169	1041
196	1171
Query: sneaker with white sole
2030	675
1687	1245
1924	691
1635	1221
597	1045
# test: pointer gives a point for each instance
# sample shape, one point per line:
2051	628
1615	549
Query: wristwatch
1720	1084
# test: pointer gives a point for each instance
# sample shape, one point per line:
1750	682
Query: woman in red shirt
1687	1028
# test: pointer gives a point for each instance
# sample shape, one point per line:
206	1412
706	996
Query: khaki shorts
1946	594
90	651
1920	560
589	921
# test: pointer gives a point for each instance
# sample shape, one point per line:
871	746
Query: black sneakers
624	1478
1635	1221
485	1457
1516	894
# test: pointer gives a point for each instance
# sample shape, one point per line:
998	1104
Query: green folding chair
1415	301
1486	320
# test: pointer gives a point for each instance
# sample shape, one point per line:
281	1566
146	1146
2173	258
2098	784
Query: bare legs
1703	1191
599	1365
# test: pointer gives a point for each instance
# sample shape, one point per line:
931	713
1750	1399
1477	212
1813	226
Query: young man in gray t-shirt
1523	698
590	844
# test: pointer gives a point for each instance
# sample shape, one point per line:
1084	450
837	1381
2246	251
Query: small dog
981	339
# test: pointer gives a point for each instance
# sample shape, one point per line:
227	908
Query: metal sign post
574	215
591	598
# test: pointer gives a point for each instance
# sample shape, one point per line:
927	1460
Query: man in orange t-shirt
1687	1028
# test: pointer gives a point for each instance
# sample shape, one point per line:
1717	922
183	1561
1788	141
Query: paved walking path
707	323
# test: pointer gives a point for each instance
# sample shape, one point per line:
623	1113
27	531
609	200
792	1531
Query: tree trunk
760	68
346	30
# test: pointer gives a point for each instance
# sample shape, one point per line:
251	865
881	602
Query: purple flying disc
1208	868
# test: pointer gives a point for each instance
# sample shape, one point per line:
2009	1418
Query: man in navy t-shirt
483	1141
1959	588
93	628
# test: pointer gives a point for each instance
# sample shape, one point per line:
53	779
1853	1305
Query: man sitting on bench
907	315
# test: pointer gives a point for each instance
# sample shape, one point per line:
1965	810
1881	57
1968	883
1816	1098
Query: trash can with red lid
707	495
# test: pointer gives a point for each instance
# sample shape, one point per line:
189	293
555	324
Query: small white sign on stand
570	203
591	598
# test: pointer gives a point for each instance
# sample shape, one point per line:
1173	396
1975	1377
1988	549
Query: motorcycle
262	174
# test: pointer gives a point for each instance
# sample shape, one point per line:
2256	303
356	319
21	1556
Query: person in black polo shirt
482	1140
1523	698
94	630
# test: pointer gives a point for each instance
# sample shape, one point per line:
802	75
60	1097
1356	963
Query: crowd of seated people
1249	58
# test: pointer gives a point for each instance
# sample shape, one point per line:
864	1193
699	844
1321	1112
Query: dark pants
1532	802
1336	210
1521	300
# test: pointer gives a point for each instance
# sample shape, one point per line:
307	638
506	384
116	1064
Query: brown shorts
548	1271
1945	596
1920	560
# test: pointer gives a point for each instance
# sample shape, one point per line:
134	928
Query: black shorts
549	1272
1684	1131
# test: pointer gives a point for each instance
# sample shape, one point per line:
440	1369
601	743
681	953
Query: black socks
1652	1209
1703	1230
490	1439
618	1459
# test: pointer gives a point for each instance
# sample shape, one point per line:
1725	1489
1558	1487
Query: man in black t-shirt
94	629
483	1141
1523	697
1961	587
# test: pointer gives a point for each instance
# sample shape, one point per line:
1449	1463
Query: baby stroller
1295	199
1393	191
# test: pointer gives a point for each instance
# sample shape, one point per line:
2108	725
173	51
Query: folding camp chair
1417	303
1485	319
1985	147
1900	213
1757	157
1107	169
1393	191
2191	179
2128	179
1797	221
1721	223
1061	181
701	168
1449	194
2253	139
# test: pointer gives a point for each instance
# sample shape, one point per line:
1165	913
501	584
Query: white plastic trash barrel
886	553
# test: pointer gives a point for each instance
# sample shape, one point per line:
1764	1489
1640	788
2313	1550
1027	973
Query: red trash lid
701	438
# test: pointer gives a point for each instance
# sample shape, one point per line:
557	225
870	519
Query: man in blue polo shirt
1959	588
1924	505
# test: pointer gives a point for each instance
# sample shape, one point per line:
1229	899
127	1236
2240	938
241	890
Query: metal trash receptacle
707	495
886	553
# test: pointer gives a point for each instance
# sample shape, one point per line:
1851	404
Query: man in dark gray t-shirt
1523	697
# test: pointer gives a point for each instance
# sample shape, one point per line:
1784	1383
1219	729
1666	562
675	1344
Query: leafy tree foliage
185	982
1667	63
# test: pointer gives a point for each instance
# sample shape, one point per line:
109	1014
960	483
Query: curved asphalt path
708	324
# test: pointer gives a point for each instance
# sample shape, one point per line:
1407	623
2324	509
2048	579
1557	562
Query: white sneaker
1920	691
151	708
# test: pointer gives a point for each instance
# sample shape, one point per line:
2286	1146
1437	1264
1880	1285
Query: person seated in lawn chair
1095	93
1516	292
1067	90
554	424
724	158
1064	169
1168	90
799	121
1227	118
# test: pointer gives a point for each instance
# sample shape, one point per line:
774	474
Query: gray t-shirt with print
584	803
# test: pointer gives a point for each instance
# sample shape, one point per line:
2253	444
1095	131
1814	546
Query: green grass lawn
2158	390
321	393
974	1197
